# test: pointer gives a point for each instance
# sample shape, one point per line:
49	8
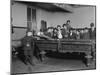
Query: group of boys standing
67	32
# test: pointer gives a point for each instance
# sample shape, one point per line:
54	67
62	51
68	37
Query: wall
19	16
52	18
80	18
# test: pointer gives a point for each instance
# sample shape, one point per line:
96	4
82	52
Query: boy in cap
92	31
28	47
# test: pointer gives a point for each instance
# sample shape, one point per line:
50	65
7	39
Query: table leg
88	58
94	52
43	55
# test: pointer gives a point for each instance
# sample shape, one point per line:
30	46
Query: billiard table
63	45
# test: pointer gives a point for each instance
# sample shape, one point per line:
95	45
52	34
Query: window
43	25
31	18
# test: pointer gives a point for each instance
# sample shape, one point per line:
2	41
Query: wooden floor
50	63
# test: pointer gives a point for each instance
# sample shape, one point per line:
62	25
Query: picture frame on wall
64	37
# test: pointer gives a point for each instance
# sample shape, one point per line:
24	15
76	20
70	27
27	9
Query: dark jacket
92	33
49	34
55	35
65	33
27	42
73	36
86	35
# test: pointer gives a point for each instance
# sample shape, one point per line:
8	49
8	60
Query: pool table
63	45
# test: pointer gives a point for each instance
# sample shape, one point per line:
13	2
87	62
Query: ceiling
46	6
